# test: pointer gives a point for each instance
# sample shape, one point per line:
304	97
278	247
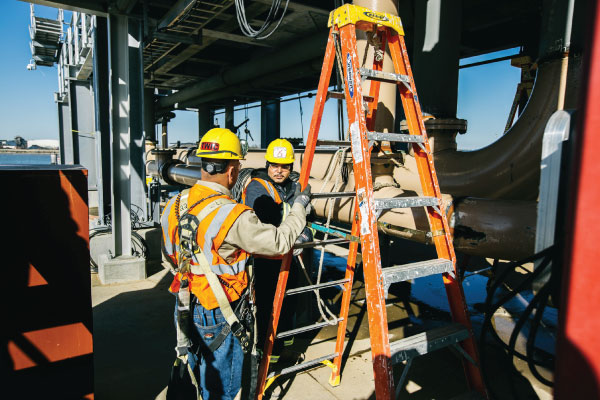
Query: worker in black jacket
270	193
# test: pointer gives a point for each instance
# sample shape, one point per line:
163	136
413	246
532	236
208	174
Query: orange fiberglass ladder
387	30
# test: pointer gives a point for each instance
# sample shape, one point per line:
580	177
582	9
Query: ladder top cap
351	14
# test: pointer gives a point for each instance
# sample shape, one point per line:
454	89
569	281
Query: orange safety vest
268	186
210	236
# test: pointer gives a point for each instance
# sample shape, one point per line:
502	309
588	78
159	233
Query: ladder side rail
375	85
378	327
273	322
320	99
429	182
334	379
424	158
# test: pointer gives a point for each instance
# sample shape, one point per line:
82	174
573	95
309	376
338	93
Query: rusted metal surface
47	329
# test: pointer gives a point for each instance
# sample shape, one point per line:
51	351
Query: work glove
302	197
305	237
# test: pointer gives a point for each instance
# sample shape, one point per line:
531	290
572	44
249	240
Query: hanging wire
247	30
301	117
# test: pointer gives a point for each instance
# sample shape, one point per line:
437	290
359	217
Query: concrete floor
134	340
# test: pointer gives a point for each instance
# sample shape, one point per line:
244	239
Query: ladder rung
332	94
338	143
395	137
310	288
419	269
383	76
302	366
319	243
308	328
428	341
405	202
332	195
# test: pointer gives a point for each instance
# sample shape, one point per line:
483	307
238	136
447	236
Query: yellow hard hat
280	151
220	143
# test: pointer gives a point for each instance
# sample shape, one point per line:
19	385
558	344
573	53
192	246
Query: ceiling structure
194	42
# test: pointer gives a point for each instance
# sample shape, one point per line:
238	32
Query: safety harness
239	322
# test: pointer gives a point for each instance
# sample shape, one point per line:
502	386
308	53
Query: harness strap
188	233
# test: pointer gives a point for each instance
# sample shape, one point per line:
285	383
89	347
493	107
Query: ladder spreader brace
362	110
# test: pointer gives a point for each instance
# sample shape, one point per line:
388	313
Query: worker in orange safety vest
210	238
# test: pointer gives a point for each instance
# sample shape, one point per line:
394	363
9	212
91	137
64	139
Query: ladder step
310	288
308	328
301	366
405	202
332	195
427	341
332	94
395	137
420	269
337	143
319	243
383	76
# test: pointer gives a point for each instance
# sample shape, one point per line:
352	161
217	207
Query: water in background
24	159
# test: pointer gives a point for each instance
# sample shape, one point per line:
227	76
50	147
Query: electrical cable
539	303
247	29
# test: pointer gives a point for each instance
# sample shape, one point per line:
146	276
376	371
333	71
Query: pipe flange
163	170
441	124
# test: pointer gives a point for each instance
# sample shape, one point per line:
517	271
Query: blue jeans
219	372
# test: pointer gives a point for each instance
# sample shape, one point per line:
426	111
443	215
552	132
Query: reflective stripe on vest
210	236
268	187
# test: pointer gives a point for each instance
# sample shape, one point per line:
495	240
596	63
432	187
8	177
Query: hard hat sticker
212	146
279	152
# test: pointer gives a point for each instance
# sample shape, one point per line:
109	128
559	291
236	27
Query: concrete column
436	55
205	119
229	117
101	80
269	122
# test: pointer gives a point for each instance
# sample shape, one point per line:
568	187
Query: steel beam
86	6
126	130
436	55
269	122
65	134
303	50
101	81
205	120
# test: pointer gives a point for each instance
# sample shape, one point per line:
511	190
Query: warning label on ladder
356	143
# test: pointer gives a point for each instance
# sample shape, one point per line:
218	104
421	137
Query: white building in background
43	143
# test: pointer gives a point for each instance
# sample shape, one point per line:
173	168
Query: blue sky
27	105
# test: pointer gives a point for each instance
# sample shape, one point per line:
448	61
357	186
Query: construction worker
211	237
270	193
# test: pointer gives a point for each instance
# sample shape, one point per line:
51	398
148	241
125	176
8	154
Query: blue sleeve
265	207
253	191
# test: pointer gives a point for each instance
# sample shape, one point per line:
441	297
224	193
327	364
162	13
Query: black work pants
266	275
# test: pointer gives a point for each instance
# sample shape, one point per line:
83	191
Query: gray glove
305	237
302	197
